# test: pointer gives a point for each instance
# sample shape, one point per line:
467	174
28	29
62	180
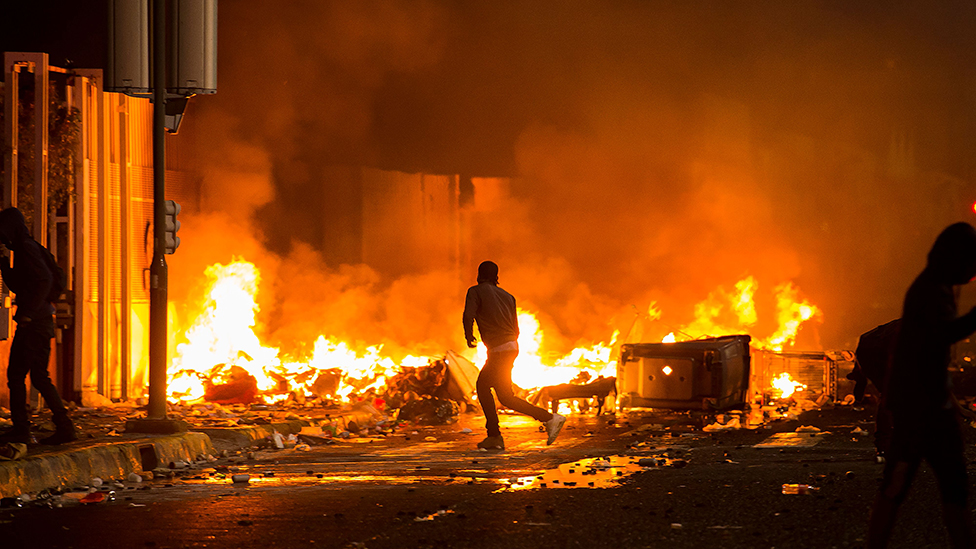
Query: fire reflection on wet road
598	472
395	462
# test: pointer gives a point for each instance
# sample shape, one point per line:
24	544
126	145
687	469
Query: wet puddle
600	472
791	440
266	480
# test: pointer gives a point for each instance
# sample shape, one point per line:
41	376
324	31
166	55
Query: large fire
791	312
222	347
221	342
222	337
531	370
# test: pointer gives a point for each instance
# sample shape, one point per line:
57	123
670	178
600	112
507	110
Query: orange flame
790	314
223	335
784	386
533	370
711	320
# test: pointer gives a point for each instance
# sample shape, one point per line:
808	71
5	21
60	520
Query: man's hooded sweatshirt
492	307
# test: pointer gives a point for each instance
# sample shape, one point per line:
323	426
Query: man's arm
962	327
471	304
966	413
5	270
515	317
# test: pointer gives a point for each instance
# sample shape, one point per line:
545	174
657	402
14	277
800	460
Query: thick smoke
657	151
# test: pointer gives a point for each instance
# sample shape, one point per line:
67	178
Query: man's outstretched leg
486	380
506	396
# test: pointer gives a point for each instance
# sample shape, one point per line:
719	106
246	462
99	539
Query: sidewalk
76	464
104	451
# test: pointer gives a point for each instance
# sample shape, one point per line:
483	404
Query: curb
115	460
235	438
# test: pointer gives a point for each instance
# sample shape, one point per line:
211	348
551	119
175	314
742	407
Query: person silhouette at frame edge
31	280
925	413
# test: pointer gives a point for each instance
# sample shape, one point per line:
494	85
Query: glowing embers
784	386
600	472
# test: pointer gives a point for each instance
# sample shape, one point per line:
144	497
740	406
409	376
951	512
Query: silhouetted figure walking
924	411
31	280
494	310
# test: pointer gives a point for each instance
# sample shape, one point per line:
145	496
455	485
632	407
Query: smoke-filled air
642	169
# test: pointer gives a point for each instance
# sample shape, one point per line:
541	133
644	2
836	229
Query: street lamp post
158	271
191	69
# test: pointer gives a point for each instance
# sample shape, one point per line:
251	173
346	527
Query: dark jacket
494	309
874	352
29	278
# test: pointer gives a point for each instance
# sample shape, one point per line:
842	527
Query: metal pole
104	183
125	174
12	134
158	270
41	81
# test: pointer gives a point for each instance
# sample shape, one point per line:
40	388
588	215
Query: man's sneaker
553	426
15	436
12	450
61	436
492	443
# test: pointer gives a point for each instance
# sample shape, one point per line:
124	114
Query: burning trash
599	390
222	360
429	411
784	386
240	387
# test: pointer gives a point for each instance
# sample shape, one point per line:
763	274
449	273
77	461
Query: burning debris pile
583	391
433	394
223	361
220	359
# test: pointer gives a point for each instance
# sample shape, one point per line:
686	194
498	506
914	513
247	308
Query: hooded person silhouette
918	392
494	310
30	279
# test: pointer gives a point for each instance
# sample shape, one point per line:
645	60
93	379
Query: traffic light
172	226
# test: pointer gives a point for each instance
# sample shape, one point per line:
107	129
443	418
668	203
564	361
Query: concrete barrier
76	466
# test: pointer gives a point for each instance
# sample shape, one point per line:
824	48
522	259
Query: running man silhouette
494	310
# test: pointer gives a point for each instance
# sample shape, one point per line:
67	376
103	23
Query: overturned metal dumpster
710	373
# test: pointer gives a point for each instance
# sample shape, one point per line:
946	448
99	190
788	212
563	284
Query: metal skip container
711	373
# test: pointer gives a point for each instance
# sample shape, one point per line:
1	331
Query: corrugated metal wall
115	208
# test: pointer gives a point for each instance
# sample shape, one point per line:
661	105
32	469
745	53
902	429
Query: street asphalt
678	486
